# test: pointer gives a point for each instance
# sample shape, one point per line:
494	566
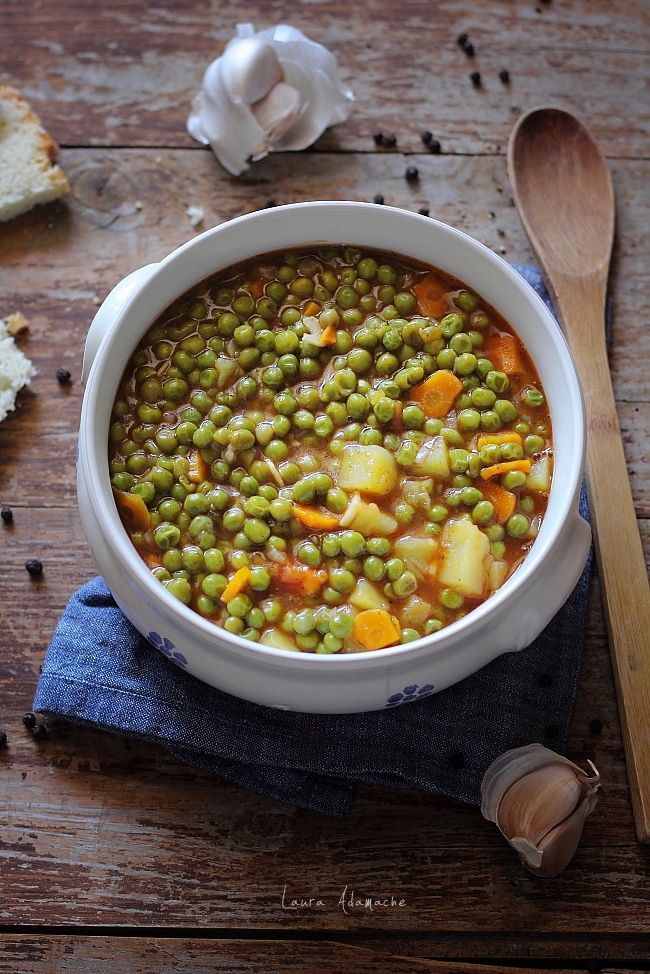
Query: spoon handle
624	580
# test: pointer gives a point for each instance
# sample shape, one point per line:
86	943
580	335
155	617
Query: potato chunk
466	550
369	469
433	458
367	518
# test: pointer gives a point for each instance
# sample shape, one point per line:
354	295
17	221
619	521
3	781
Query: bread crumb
195	214
17	323
138	204
15	371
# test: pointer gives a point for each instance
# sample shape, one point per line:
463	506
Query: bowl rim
116	538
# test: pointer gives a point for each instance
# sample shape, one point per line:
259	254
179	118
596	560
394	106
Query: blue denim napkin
99	671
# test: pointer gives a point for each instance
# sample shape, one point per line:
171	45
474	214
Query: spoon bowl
563	191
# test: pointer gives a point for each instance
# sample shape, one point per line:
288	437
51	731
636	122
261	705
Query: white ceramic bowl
509	620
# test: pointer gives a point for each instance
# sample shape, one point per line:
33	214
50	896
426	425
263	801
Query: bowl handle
108	312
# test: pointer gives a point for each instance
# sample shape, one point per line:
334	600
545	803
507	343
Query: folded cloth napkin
99	671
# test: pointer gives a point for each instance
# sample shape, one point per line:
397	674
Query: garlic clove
250	69
539	800
278	111
558	847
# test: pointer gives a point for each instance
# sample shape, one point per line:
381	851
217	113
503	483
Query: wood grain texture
96	829
112	955
124	74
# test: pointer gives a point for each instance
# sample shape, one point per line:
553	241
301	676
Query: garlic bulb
274	89
539	800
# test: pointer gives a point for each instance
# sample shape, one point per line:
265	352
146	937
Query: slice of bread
28	174
15	371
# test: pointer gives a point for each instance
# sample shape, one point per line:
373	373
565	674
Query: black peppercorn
475	77
411	174
3	739
426	137
457	760
29	719
7	515
434	147
378	138
34	567
595	726
462	39
469	49
504	76
39	732
390	140
378	199
62	376
424	211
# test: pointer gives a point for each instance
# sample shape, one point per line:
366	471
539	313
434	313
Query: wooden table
110	851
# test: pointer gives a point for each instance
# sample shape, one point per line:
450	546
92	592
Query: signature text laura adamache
349	901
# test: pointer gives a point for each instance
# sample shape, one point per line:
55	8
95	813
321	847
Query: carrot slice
299	579
498	439
199	470
327	336
437	393
375	629
311	308
503	351
256	288
503	501
132	510
431	297
236	584
314	519
396	422
498	468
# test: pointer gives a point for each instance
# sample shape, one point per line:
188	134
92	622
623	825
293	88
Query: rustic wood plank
124	73
118	955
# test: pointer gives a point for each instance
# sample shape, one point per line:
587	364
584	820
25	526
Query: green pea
192	557
340	623
196	504
451	324
506	410
469	419
405	584
450	598
373	568
323	426
308	554
517	525
166	536
256	506
482	512
256	530
409	635
437	513
276	451
465	363
405	302
461	342
458	460
369	436
280	509
511	451
284	403
290	472
172	560
342	580
272	610
386	363
281	425
527	505
378	546
352	543
267	491
497	381
180	588
358	406
470	496
259	579
394	568
240	606
384	409
304	622
233	519
533	444
466	301
144	490
404	512
482	398
303	420
490	421
239	559
412	417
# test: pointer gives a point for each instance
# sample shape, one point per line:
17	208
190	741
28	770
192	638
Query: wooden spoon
564	195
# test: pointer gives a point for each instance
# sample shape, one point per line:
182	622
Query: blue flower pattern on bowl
410	693
166	647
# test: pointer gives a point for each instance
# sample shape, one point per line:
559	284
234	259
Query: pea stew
331	451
